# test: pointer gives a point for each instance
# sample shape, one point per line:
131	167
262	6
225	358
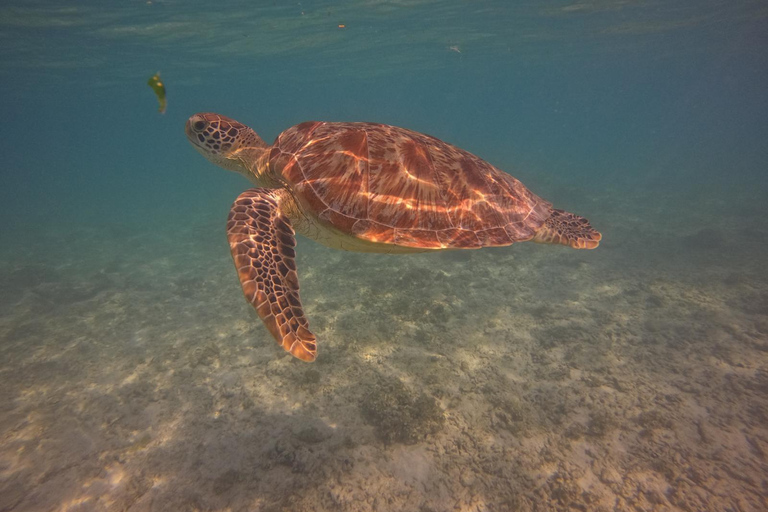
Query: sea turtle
362	187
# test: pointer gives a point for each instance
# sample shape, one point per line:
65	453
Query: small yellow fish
159	88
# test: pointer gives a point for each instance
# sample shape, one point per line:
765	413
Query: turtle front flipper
262	240
568	229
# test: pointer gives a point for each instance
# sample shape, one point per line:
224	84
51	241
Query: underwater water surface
134	376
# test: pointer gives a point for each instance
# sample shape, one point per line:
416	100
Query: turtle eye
199	126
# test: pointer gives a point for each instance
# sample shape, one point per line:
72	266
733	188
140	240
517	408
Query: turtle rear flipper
262	240
568	229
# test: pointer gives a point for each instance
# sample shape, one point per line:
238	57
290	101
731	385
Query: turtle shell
391	185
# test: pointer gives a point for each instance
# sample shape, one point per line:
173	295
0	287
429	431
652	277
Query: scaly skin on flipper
262	240
569	229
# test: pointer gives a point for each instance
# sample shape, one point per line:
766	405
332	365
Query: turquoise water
134	376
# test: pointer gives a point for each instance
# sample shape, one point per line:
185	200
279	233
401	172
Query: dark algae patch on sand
399	414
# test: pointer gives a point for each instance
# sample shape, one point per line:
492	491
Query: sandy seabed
134	376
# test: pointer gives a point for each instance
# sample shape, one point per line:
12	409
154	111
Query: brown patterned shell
391	185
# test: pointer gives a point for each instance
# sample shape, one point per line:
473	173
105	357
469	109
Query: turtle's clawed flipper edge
262	240
568	229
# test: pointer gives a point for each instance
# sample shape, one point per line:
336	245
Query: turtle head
226	143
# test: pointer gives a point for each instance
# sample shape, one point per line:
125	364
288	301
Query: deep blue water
591	92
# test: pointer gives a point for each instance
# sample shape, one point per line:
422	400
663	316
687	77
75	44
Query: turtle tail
566	228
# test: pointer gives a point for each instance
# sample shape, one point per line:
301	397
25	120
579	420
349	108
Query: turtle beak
194	129
187	128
